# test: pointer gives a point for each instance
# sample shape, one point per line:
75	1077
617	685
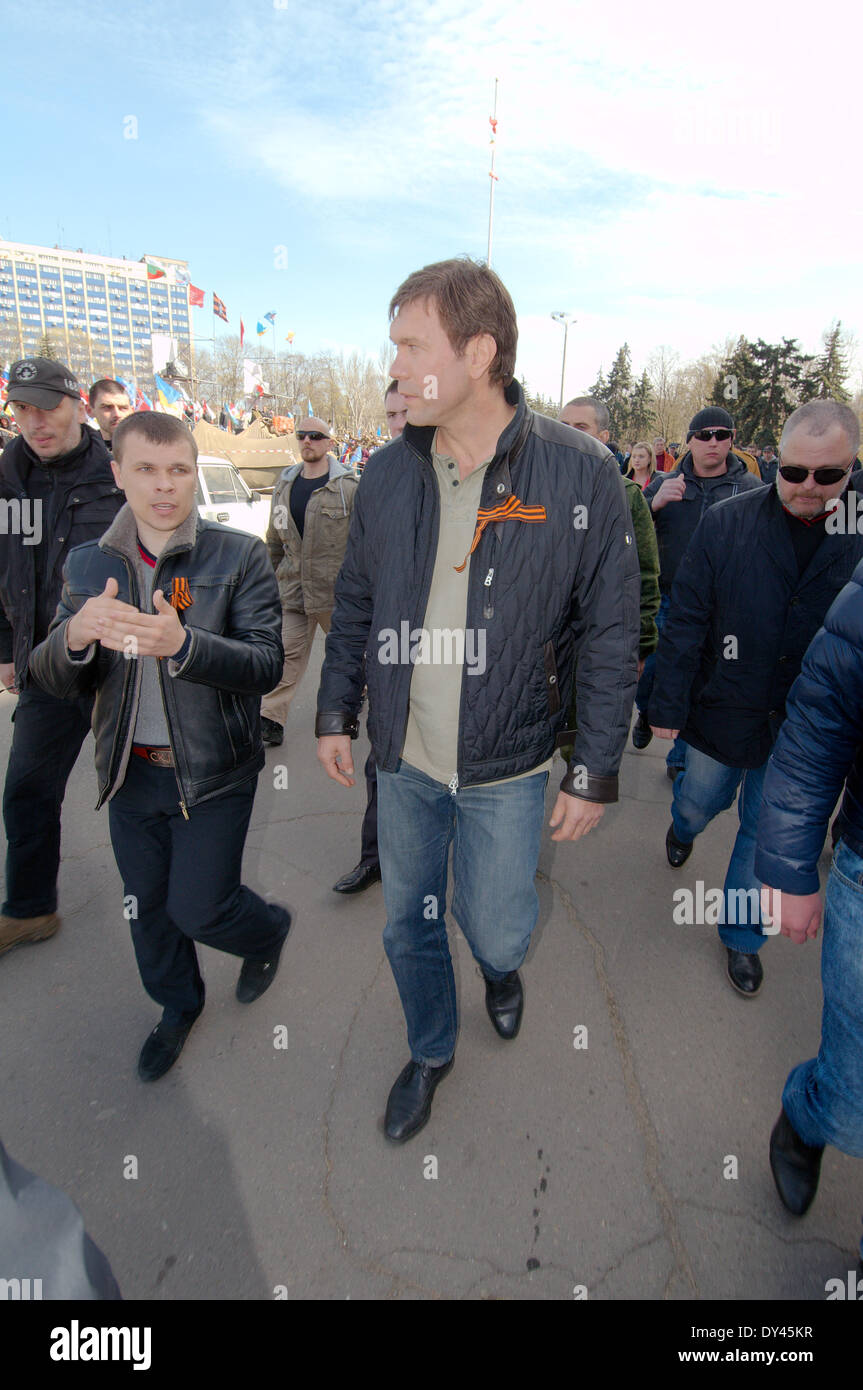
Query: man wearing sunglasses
730	649
708	472
307	535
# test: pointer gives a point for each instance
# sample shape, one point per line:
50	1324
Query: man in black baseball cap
56	492
707	472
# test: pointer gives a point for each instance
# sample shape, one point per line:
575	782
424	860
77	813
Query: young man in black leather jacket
176	718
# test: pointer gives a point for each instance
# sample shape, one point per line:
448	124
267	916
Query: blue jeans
644	689
823	1098
705	788
495	832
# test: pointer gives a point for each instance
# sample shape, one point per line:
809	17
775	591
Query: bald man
307	536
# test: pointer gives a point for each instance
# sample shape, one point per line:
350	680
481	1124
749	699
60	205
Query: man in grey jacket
307	535
489	548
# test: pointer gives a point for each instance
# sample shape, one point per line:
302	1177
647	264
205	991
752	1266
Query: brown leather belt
160	757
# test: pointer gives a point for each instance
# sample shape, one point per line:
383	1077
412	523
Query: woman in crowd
642	464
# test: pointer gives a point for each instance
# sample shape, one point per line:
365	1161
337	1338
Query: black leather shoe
676	851
504	1002
796	1166
642	732
272	733
163	1047
672	773
360	878
409	1104
745	972
256	976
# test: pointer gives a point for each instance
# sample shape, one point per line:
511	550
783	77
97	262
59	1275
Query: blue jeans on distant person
823	1098
705	788
644	689
495	831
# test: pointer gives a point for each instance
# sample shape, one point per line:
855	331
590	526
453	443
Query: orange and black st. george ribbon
510	510
179	596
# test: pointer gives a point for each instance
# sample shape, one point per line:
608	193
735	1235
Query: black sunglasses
823	476
311	434
704	435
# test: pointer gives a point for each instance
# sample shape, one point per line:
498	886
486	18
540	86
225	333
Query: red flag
242	332
196	297
219	308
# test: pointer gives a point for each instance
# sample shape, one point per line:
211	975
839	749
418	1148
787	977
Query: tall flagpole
492	120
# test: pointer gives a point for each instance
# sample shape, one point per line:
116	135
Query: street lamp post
560	317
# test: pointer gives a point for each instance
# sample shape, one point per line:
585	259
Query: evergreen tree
735	382
619	393
641	414
599	387
46	348
825	375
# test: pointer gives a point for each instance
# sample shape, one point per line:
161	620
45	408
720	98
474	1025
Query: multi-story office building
98	313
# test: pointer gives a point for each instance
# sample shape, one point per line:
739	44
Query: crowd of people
497	585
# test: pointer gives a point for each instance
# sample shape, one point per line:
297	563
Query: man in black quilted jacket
489	547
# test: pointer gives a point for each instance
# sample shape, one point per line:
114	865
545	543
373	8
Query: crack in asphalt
635	1096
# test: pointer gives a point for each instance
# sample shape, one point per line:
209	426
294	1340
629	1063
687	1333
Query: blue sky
667	174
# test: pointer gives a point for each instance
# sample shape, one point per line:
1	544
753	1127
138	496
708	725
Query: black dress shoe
163	1047
676	851
256	976
360	878
745	971
409	1104
642	732
504	1001
272	733
796	1166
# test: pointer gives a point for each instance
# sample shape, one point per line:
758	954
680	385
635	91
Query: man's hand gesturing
120	627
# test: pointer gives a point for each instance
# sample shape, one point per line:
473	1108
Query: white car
223	496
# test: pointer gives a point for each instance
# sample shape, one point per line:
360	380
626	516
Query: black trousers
46	740
183	879
369	855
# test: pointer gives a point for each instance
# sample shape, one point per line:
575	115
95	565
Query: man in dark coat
820	749
730	649
58	492
489	548
708	473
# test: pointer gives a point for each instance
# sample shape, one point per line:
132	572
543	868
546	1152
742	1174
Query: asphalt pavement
617	1149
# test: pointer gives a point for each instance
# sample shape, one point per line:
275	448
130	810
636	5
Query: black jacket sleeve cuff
336	722
589	787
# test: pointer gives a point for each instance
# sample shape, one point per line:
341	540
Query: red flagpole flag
242	332
219	308
196	297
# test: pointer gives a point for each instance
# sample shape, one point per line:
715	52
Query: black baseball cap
41	381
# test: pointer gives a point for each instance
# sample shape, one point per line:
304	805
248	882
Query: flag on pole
170	400
196	297
155	271
290	338
182	277
218	308
261	328
271	318
242	332
142	402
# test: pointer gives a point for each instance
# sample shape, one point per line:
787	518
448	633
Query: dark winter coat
819	748
738	626
541	592
81	506
676	522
